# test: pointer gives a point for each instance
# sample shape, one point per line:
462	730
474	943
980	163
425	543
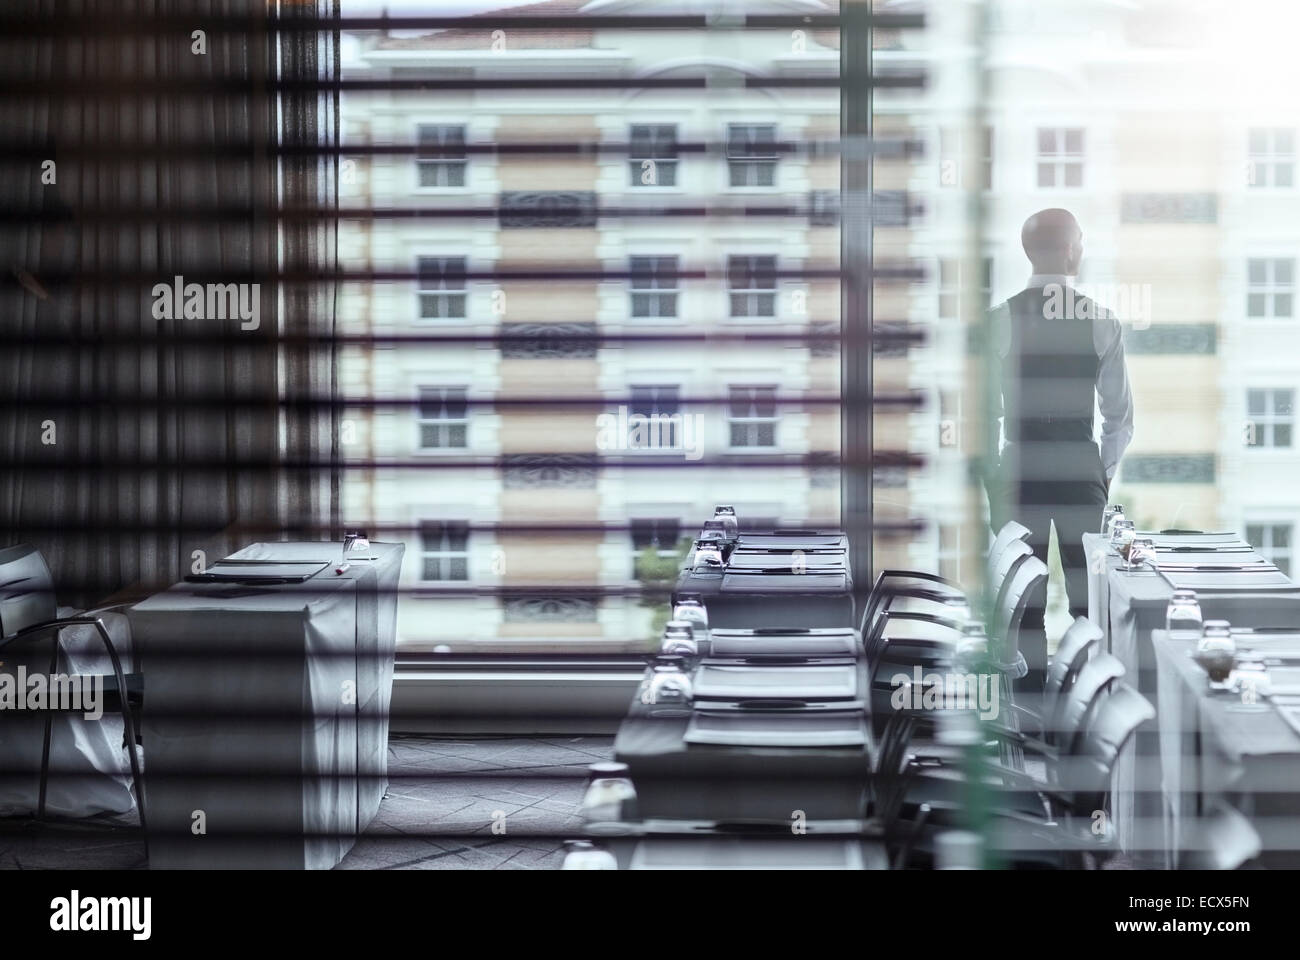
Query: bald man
1061	357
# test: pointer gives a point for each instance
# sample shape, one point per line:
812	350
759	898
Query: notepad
833	728
253	571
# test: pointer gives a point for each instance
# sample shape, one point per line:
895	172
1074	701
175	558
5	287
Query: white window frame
654	293
752	423
952	288
1266	423
657	521
1270	288
659	394
446	295
444	553
951	152
1264	163
1058	159
951	556
753	295
1266	547
442	164
636	163
742	154
445	424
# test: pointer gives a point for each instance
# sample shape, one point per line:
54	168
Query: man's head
1053	242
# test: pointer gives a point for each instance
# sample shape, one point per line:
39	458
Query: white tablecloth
91	775
263	705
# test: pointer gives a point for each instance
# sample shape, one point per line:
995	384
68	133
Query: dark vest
1049	376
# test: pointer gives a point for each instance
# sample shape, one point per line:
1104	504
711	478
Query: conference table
266	707
1232	582
1236	746
759	742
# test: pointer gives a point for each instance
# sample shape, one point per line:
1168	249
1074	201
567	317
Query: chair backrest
1221	839
1076	646
1007	566
1116	718
1021	588
1069	721
26	589
1011	532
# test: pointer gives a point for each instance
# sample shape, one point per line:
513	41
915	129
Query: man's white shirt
1114	398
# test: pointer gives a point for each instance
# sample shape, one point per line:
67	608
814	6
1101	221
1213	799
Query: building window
751	154
659	534
443	418
752	416
1272	157
1270	286
752	281
661	409
1273	541
444	550
952	160
951	286
654	286
949	553
652	158
1272	415
1060	157
441	157
442	287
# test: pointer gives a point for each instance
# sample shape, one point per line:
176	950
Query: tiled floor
446	797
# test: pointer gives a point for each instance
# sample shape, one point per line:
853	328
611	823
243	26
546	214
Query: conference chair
29	617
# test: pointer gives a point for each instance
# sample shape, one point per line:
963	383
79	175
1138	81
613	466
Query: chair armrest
885	575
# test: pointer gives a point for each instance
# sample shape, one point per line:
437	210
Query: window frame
954	290
1267	550
635	163
655	293
1270	159
422	162
447	423
444	293
754	422
953	136
751	293
445	555
1270	289
677	437
661	550
751	160
1059	159
1266	423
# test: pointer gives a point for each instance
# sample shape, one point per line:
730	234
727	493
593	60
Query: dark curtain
134	446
